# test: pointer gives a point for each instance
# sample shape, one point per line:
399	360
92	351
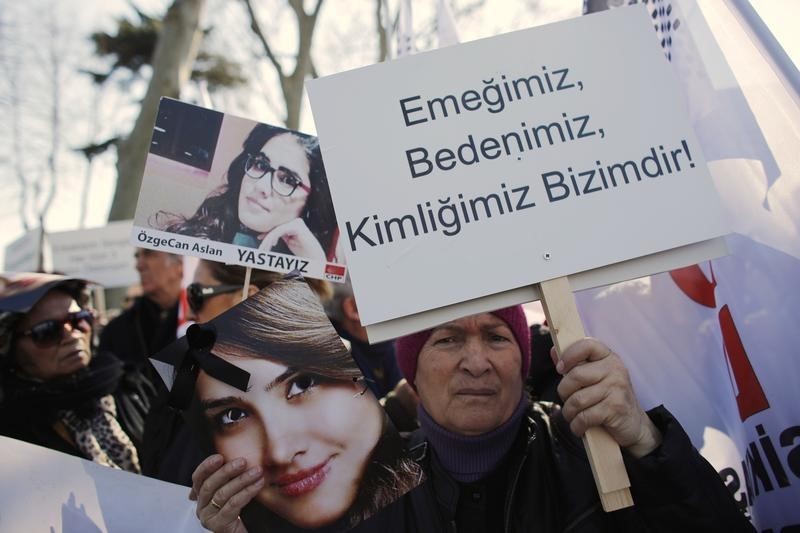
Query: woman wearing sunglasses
54	392
217	287
276	198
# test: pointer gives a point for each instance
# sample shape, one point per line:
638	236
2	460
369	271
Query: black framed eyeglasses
283	181
49	332
197	294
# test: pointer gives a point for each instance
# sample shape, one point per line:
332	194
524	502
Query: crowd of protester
491	421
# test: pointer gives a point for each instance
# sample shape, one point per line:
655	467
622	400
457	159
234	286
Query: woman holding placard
276	198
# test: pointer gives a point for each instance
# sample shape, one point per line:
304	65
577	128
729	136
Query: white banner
44	490
477	169
717	343
103	255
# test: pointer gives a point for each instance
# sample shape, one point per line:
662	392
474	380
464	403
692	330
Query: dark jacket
546	485
139	332
30	409
376	361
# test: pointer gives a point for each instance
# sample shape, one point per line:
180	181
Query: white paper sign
44	490
103	255
489	166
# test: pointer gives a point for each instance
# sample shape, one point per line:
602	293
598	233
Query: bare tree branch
55	118
383	38
292	84
256	27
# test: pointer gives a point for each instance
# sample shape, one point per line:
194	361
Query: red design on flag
750	397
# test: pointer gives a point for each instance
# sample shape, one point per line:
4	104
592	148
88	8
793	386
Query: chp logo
334	272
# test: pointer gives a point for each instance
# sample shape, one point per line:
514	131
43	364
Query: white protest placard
44	490
236	191
103	255
478	170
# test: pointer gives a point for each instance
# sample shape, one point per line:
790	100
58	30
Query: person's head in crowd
160	274
131	294
469	373
276	178
46	327
341	307
216	287
307	419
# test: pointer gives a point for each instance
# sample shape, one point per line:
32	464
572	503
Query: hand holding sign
597	392
222	491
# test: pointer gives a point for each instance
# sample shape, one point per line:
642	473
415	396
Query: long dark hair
217	218
288	322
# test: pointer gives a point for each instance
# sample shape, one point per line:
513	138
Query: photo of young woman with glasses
55	391
321	452
275	197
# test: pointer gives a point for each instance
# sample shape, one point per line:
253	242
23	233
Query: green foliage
218	71
133	44
132	47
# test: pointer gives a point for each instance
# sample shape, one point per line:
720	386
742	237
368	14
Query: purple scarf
470	458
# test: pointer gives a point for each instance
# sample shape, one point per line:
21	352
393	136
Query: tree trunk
173	58
381	11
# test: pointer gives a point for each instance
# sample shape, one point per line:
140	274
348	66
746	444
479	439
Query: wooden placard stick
246	284
604	454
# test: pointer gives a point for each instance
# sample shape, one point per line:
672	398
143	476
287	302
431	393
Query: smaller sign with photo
237	191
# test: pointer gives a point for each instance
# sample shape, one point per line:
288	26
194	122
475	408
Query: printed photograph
272	382
216	178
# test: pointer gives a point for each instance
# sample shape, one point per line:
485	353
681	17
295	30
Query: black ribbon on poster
192	353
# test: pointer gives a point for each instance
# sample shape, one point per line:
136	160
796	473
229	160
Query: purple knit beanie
408	347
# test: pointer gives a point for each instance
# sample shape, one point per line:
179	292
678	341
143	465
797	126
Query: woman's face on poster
283	165
312	436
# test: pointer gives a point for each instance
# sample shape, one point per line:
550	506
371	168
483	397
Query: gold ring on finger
215	504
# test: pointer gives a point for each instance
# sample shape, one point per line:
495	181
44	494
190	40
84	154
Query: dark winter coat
546	485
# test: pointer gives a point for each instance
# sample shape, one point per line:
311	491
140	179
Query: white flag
719	343
445	25
405	29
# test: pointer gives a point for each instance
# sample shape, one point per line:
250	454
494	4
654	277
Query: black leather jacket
549	488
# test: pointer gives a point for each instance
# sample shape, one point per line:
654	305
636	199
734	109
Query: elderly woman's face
261	208
312	437
469	375
67	352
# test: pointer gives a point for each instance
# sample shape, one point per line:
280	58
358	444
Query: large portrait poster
236	191
270	381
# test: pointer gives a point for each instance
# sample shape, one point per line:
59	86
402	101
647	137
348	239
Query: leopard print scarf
100	438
